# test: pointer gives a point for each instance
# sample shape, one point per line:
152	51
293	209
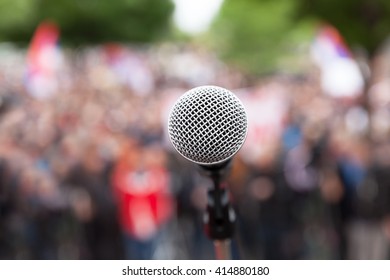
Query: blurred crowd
87	172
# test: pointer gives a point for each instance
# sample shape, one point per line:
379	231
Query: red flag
43	61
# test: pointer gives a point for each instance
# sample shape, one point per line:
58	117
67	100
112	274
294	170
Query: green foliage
257	34
364	23
87	21
16	18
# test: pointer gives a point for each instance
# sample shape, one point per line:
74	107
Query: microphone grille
207	125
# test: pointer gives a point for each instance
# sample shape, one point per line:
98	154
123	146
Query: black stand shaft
219	217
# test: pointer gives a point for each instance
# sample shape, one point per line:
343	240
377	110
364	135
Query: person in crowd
87	173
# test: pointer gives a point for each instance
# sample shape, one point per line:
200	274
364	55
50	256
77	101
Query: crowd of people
87	171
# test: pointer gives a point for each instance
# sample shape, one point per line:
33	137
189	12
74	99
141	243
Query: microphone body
208	125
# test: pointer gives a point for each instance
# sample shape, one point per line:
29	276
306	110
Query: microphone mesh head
207	125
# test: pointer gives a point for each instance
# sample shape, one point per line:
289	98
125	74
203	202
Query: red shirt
145	202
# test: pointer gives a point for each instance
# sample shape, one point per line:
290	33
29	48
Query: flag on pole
341	76
43	61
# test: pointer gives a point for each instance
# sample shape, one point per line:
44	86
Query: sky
195	16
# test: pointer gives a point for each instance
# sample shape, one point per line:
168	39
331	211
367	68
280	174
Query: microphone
208	125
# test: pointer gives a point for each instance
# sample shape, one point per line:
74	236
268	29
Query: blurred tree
17	19
363	23
87	21
257	35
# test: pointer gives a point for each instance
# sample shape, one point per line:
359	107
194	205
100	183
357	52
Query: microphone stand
219	217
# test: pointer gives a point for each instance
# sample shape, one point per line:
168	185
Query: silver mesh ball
207	125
